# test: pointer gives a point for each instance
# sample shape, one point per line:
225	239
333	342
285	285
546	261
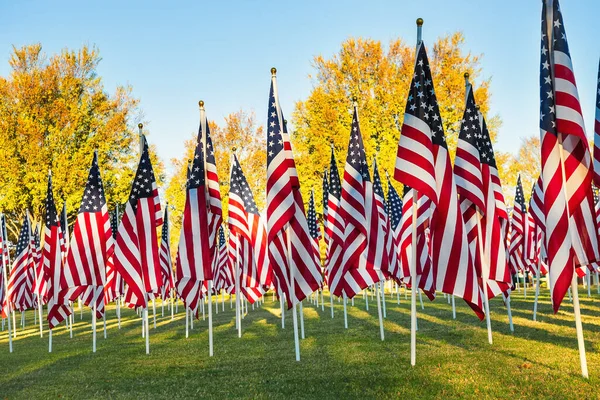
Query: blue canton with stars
422	102
221	237
335	184
93	196
356	150
519	197
274	139
239	186
23	242
51	214
313	229
547	110
377	188
394	205
196	177
114	223
165	227
144	178
325	192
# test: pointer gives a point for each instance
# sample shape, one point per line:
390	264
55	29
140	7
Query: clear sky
221	51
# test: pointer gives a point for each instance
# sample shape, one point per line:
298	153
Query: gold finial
140	125
419	21
285	121
273	71
331	141
201	103
189	161
354	99
234	149
466	75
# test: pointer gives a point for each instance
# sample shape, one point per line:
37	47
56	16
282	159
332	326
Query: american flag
52	261
91	247
41	274
518	222
313	224
113	286
224	276
193	254
364	238
286	218
394	204
567	198
479	186
247	234
450	270
19	294
136	252
325	197
166	265
384	222
64	225
334	231
213	193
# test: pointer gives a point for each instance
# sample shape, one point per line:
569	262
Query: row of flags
448	231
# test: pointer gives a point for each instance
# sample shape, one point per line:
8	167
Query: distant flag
597	135
52	261
334	231
383	225
224	275
570	224
41	274
136	252
3	262
19	296
113	285
325	197
516	254
193	253
247	233
363	236
166	265
394	203
313	224
91	247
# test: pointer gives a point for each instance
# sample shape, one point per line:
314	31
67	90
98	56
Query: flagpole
291	291
145	311
238	318
537	287
574	290
94	327
484	264
203	124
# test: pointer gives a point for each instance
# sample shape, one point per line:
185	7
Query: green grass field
454	360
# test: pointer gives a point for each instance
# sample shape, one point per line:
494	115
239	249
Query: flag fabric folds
136	251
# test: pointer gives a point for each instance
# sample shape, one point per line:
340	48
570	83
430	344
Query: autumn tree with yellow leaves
54	112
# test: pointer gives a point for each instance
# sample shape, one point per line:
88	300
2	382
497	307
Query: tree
527	164
240	132
54	112
379	80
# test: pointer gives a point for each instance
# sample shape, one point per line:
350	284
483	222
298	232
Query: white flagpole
94	327
322	303
578	326
187	323
413	270
382	287
210	321
588	275
301	311
378	294
366	297
292	294
49	340
413	261
331	302
281	294
238	318
345	310
154	310
453	308
537	288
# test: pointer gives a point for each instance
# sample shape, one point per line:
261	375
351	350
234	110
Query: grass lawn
454	359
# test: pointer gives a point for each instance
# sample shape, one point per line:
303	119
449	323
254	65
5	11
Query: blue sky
221	52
